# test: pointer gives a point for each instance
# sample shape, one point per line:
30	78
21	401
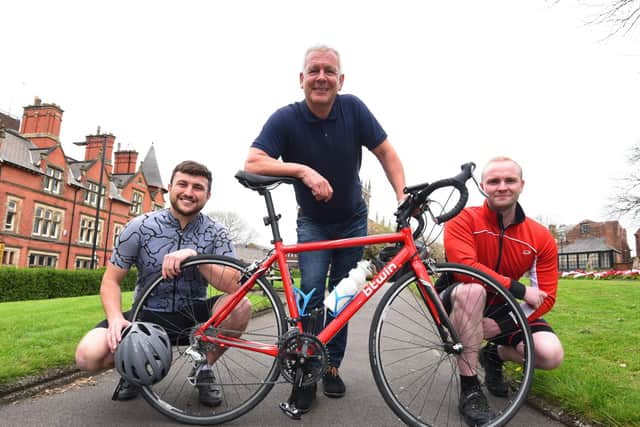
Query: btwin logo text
384	274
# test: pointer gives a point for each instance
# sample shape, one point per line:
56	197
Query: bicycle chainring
305	352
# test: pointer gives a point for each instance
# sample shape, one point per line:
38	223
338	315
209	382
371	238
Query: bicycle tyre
246	376
416	376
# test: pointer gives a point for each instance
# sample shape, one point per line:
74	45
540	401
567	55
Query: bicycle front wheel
245	376
417	371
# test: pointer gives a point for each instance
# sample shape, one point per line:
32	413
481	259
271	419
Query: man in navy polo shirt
320	142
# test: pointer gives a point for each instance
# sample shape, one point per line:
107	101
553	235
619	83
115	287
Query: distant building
49	201
636	260
592	245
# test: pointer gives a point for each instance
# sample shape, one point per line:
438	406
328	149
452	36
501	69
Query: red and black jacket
477	237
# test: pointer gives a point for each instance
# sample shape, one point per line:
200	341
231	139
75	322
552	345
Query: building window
83	263
157	207
53	180
117	229
46	222
43	259
594	261
11	217
582	261
136	203
91	195
87	229
10	256
585	228
606	260
572	261
562	262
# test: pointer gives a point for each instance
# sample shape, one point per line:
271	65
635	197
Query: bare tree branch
239	231
626	201
622	15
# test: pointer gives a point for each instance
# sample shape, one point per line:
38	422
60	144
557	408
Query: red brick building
49	202
592	245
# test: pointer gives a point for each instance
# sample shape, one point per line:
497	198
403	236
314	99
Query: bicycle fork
448	334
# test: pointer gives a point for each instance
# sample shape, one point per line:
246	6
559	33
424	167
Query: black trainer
210	393
333	384
127	391
492	365
474	407
305	397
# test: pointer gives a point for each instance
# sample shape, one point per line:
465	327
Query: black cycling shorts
511	334
178	324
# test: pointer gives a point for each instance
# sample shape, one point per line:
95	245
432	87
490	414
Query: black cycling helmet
144	356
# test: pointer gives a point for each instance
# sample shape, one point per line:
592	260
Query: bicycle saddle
255	182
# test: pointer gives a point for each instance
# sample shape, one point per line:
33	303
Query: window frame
42	223
89	229
49	256
15	253
14	221
137	200
90	197
51	181
85	260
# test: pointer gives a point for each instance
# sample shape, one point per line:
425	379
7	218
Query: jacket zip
174	280
500	242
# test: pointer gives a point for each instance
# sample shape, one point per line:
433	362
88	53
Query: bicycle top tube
413	206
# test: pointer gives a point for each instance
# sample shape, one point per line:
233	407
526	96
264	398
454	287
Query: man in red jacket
500	240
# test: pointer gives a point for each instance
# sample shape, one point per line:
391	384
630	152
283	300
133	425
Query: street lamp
99	198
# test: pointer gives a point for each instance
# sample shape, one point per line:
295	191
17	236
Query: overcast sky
450	82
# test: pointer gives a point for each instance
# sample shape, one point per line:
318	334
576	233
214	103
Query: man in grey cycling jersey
157	242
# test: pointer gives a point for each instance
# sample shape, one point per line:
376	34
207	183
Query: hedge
19	284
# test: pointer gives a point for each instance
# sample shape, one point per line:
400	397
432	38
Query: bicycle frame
407	253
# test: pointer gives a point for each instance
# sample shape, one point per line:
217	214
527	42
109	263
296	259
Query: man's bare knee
469	295
92	353
550	358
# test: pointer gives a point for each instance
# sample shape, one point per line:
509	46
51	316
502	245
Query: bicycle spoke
244	375
417	373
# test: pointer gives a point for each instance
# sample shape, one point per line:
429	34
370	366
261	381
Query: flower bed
603	275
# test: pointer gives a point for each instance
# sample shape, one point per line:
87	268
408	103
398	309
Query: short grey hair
501	159
321	48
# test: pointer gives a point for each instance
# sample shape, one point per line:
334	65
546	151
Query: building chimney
125	162
93	147
41	123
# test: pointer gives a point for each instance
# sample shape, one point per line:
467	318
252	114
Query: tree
239	231
627	199
622	15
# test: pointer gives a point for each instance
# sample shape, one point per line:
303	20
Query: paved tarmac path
87	401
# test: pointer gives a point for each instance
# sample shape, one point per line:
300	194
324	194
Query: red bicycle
415	351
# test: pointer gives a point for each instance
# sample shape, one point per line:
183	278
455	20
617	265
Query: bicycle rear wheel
417	374
245	376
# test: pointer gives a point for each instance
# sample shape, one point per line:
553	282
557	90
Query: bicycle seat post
272	218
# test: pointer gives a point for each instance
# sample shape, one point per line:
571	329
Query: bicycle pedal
290	410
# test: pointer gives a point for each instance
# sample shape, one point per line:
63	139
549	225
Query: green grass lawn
597	321
42	334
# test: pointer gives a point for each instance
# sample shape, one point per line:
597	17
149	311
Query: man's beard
177	208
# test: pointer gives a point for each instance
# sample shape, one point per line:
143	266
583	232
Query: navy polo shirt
331	146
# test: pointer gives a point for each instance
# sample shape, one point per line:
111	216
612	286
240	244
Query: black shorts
178	324
511	334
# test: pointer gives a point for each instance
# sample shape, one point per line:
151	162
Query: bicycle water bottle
348	287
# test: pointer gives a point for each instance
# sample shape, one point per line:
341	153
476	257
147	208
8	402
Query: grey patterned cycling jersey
148	238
